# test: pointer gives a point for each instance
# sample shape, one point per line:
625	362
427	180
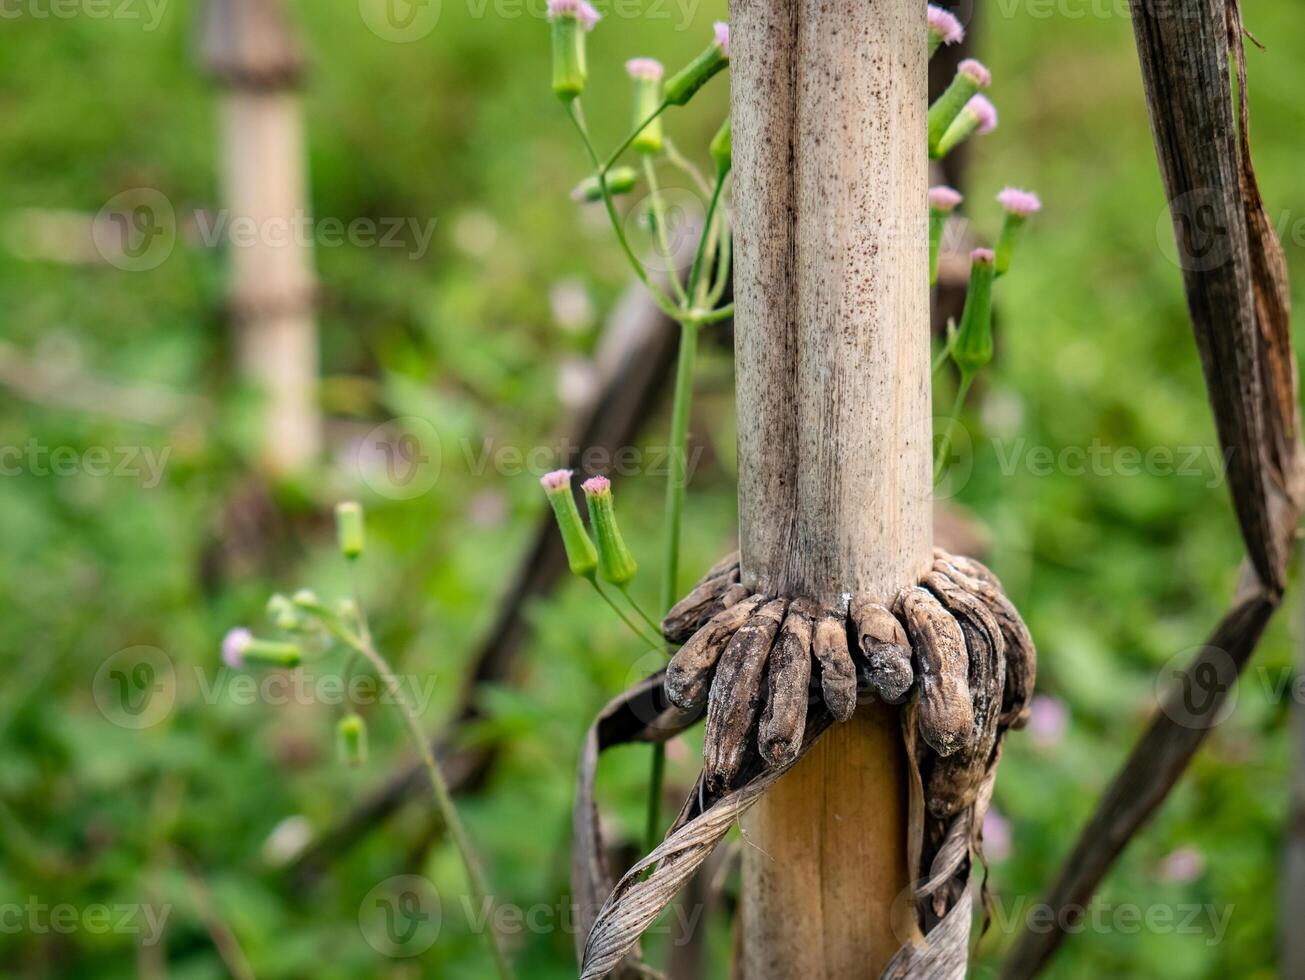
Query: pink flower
596	485
996	836
723	37
944	199
983	255
1019	203
945	25
234	645
1183	866
1048	718
645	69
581	10
984	112
556	480
976	72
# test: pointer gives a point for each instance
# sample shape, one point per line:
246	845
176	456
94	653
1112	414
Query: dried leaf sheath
884	645
1021	655
737	692
757	652
689	675
707	599
790	676
946	714
837	671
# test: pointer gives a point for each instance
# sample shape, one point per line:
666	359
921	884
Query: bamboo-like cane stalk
832	314
247	46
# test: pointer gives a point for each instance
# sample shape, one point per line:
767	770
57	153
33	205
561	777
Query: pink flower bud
996	836
945	25
645	69
1183	866
976	72
581	10
983	256
234	645
984	112
723	37
1019	203
596	485
1048	719
557	480
945	199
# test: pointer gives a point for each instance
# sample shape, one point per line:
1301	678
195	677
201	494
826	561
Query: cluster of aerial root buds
953	645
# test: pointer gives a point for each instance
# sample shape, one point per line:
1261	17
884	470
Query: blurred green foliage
1117	571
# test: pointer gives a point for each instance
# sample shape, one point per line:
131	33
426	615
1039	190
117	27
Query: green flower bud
978	116
307	601
351	740
973	348
240	648
615	562
581	554
620	180
283	613
970	78
942	202
722	148
684	86
1019	207
572	20
647	75
349	528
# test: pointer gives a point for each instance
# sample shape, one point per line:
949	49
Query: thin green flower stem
945	446
675	480
657	630
657	779
674	156
940	361
715	316
443	799
611	161
696	275
667	307
659	220
723	260
634	628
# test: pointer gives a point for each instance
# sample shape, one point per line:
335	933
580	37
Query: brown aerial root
774	673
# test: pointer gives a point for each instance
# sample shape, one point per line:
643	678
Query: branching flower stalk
959	113
317	625
693	306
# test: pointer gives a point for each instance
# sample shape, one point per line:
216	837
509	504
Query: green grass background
1117	573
